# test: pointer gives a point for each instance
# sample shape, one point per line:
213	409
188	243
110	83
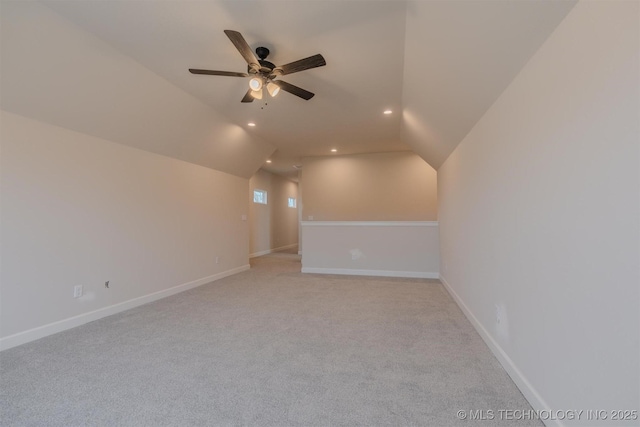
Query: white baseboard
369	223
269	251
529	392
382	273
62	325
261	253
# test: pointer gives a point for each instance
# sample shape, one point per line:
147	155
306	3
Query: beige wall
369	187
274	225
540	218
386	248
79	210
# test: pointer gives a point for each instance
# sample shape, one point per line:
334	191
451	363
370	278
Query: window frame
263	199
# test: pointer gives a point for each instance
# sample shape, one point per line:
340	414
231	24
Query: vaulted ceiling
118	70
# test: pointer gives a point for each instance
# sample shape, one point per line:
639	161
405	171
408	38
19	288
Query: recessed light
251	124
388	112
268	161
334	150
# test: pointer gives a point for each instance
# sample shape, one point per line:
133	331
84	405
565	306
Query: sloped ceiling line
118	70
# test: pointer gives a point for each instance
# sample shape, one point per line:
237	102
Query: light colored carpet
267	347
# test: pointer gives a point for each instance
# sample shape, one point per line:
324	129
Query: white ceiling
468	52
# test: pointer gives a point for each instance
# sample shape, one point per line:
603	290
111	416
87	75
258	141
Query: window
260	196
292	202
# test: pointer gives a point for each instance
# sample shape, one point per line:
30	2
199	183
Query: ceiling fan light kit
264	73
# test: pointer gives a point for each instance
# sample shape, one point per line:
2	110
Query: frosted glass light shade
255	84
273	89
257	94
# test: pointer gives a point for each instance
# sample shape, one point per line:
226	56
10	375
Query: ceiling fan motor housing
262	52
266	67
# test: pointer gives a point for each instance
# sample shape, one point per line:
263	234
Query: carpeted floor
267	347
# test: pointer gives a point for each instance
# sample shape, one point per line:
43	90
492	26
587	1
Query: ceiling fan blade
295	90
243	47
248	97
217	73
303	64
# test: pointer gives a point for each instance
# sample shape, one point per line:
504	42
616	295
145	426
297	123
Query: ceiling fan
264	73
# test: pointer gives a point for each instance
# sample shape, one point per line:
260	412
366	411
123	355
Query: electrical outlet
310	217
217	260
77	291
